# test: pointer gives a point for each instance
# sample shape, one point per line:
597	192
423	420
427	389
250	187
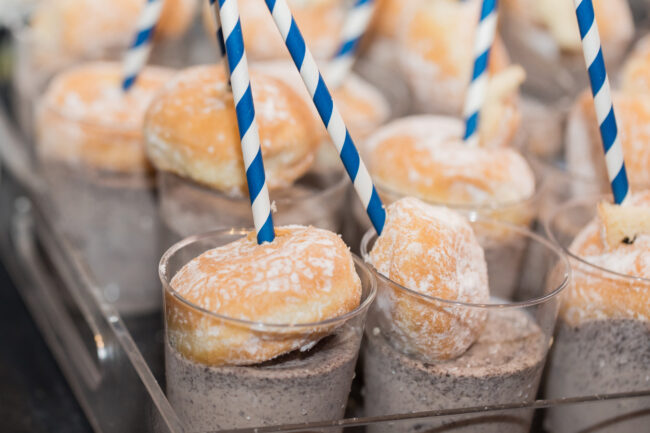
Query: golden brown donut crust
306	275
596	295
85	119
433	251
191	130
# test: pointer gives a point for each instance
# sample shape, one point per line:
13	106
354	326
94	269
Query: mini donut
75	28
85	118
584	150
318	21
557	17
431	250
436	52
596	295
191	130
306	275
362	106
424	156
635	76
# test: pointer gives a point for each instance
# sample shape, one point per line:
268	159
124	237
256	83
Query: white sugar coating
431	250
92	93
304	276
425	156
597	295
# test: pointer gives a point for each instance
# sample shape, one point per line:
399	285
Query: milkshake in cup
425	157
259	335
193	141
91	153
436	338
602	342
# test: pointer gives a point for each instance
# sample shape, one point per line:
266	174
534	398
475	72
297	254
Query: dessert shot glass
110	216
309	384
187	208
605	353
503	248
504	365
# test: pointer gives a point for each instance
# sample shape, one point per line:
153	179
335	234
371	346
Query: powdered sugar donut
584	151
424	156
191	130
635	76
432	251
306	275
436	52
595	294
86	119
318	20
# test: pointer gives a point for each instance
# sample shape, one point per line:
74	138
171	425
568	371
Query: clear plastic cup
503	366
302	386
608	354
503	247
110	216
187	207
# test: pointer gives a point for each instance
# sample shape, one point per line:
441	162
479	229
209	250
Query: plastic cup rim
282	327
488	306
574	204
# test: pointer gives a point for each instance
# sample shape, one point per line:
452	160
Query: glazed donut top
614	19
86	118
424	156
191	130
597	295
306	275
441	32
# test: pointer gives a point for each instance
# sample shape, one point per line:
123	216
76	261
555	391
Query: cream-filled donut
305	276
436	52
595	294
191	130
320	23
85	119
433	251
584	152
424	156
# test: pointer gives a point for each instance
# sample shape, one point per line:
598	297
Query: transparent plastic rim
371	235
564	210
283	327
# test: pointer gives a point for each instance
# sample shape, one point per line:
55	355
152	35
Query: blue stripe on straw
138	53
597	72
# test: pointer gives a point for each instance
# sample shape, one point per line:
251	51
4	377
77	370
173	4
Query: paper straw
475	96
354	27
595	63
328	112
138	53
248	132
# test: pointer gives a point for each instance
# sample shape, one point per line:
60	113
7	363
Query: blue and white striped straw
355	26
328	112
595	63
248	132
477	89
138	53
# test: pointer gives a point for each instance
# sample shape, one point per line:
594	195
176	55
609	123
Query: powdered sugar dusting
432	250
597	295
